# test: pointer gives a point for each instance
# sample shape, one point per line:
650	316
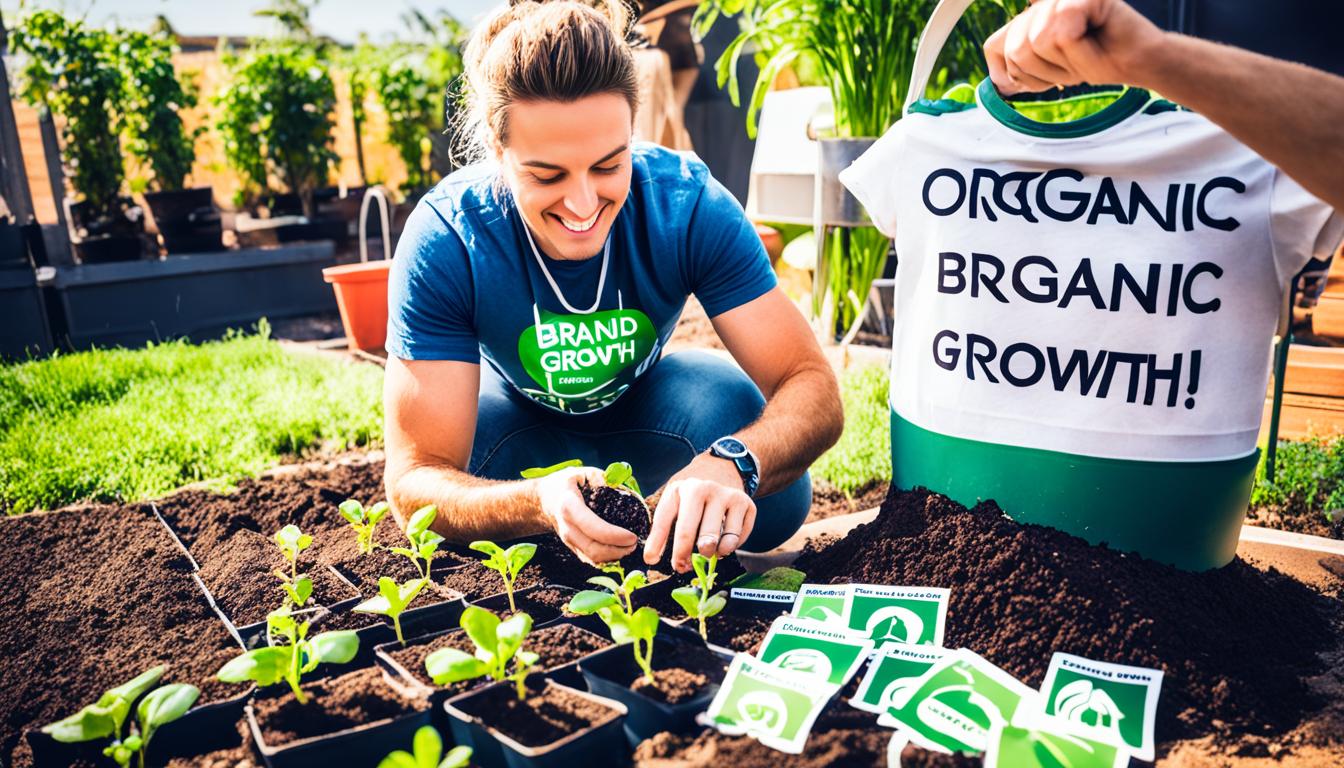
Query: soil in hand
682	670
556	645
1235	643
334	704
619	507
547	715
93	597
241	576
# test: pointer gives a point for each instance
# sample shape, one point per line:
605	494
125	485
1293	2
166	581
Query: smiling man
532	295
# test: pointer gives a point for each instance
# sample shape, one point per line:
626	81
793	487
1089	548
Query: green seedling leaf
333	647
421	521
411	553
292	541
510	634
449	665
263	666
618	473
490	548
133	688
428	748
589	601
644	623
299	591
535	472
605	581
164	705
377	512
700	564
352	511
527	658
90	723
518	556
689	600
481	626
635	580
716	603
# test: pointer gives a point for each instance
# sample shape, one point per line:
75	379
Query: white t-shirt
1105	287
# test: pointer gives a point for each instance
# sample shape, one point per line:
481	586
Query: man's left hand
710	511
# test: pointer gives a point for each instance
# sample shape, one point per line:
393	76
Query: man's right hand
589	536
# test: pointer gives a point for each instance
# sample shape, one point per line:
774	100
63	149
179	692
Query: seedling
364	521
392	600
290	660
699	599
506	562
423	542
427	752
298	588
105	718
619	474
497	644
616	610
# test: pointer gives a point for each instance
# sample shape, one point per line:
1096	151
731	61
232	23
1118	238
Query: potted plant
276	122
427	752
71	72
154	97
863	51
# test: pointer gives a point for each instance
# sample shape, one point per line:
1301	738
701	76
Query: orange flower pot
361	295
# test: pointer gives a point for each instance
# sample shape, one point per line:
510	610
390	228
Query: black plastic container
363	745
254	634
594	747
433	617
187	219
608	673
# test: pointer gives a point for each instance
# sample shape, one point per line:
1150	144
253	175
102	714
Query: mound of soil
241	576
619	507
681	671
334	704
556	645
547	715
93	597
1235	643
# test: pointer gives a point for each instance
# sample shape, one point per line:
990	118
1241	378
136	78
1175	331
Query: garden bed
1251	656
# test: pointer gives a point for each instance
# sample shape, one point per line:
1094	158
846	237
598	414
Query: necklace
601	280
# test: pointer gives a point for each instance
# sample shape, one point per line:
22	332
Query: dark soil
537	602
739	628
239	754
829	501
659	595
93	597
681	671
547	715
331	622
475	581
1235	643
619	507
334	704
557	645
1310	522
364	570
241	577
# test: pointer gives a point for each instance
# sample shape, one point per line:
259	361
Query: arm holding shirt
1257	99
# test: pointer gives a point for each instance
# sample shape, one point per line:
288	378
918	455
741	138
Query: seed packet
913	615
822	602
1111	703
1011	746
777	707
821	651
891	672
956	703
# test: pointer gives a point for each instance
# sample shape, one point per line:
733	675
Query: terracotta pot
361	295
772	240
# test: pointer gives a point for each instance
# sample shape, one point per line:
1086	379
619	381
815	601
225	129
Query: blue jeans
659	425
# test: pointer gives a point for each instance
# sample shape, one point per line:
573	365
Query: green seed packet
1111	703
956	704
820	651
775	706
891	672
1015	747
822	602
913	615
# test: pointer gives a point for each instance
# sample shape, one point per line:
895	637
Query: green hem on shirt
1188	514
1128	103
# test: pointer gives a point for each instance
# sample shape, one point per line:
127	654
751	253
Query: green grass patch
1309	478
863	454
136	424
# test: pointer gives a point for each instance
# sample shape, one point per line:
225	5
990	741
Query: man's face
568	165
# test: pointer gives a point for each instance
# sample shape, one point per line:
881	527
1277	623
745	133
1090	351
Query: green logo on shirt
584	362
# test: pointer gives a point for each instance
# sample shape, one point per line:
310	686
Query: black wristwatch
732	449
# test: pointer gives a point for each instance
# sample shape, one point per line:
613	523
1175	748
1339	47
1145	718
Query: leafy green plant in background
70	70
862	456
427	752
506	562
128	425
276	119
403	86
364	521
154	98
105	718
699	599
290	654
1309	479
499	651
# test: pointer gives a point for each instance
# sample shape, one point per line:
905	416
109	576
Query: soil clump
334	704
1235	643
682	670
545	716
619	507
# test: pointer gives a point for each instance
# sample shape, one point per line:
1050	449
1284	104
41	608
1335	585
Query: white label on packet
763	595
822	602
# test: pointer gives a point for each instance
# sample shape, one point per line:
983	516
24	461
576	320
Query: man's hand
592	538
711	512
1066	42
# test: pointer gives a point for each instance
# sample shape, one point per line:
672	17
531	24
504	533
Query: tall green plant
402	83
70	71
154	98
276	119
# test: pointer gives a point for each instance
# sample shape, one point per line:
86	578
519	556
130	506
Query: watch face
730	447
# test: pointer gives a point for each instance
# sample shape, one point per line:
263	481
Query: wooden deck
1313	401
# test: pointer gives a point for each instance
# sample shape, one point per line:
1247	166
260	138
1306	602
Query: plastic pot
609	672
105	249
254	635
594	746
13	245
187	219
433	617
361	296
363	745
498	604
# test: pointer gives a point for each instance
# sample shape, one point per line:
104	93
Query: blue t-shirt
466	285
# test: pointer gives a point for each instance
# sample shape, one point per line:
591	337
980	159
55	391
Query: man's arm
802	418
1258	99
430	421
